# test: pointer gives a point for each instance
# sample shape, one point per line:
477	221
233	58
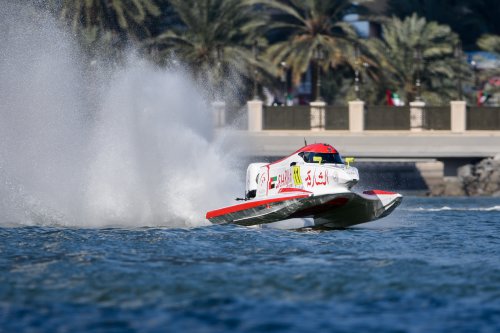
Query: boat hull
304	209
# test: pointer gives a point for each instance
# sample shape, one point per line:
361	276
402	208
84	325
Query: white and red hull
294	209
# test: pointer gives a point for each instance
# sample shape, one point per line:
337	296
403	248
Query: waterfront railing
483	118
457	118
356	117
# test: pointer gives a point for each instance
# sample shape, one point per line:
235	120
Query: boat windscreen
322	158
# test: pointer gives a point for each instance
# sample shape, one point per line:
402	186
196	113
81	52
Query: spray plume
126	147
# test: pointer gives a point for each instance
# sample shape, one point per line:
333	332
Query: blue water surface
432	266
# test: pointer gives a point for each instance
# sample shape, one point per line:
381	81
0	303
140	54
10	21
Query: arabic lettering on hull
316	178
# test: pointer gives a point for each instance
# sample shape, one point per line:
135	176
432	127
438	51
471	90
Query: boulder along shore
481	179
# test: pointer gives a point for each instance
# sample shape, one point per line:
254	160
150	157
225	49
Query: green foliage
104	27
114	15
215	40
414	49
490	43
470	19
309	25
315	33
336	85
227	44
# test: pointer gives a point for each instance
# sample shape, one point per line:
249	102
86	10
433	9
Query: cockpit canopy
321	158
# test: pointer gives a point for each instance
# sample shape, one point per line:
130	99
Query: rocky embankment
481	179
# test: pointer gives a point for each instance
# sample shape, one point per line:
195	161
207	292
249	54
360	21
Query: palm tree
216	41
107	24
470	19
116	15
314	30
416	50
490	43
454	13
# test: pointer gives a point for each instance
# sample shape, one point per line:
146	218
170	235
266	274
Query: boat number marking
297	180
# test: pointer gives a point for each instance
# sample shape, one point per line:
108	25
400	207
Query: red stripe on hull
249	205
374	192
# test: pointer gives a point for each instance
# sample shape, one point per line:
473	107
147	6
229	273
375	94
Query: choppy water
432	266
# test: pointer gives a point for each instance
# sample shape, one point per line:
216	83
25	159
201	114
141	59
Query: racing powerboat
311	188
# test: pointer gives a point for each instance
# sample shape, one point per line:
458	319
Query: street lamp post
459	56
219	105
418	63
318	57
219	54
473	64
418	121
356	72
255	88
284	68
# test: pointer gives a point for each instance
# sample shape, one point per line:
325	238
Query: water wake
464	209
129	147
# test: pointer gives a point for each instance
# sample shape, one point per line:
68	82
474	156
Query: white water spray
144	157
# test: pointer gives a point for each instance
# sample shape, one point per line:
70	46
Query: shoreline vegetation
241	48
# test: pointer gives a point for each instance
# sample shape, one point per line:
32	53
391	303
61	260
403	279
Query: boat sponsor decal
321	178
283	179
309	179
262	188
263	179
297	180
317	178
